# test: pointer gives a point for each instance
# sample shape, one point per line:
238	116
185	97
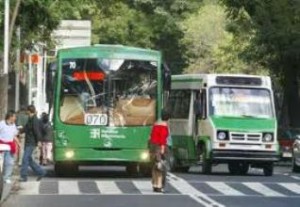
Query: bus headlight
69	154
267	137
222	135
145	156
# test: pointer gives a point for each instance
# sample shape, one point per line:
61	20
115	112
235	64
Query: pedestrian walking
46	130
8	135
22	118
158	151
32	139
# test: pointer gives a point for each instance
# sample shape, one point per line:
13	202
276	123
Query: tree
276	43
210	45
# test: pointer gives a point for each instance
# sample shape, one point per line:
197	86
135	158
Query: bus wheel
268	169
145	169
65	169
206	163
132	169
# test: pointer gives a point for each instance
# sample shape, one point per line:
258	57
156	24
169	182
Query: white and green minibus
223	118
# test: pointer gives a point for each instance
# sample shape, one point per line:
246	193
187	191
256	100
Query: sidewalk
8	189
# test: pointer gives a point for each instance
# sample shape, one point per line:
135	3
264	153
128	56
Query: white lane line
295	188
145	187
224	189
29	188
185	188
295	177
108	187
68	188
264	190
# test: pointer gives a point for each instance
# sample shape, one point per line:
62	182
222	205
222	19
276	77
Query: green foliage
276	43
211	47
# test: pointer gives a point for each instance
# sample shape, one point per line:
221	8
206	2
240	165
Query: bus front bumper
101	156
230	155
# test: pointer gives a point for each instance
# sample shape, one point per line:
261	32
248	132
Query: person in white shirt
8	134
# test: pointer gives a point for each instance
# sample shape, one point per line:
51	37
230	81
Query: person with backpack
32	139
46	130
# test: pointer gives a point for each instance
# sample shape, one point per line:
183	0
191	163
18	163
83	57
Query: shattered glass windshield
109	92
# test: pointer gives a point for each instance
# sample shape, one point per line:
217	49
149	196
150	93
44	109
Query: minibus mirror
166	73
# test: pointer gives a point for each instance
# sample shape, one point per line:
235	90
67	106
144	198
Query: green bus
105	100
223	118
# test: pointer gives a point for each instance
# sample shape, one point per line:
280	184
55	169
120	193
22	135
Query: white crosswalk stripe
108	187
225	189
175	186
29	188
144	187
264	190
68	188
295	188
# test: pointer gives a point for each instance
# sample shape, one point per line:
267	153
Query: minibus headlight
222	135
267	137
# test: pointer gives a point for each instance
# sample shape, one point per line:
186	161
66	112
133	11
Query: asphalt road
112	187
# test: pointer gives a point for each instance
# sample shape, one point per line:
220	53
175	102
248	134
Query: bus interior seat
137	111
71	110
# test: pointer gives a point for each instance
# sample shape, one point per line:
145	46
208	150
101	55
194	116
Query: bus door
180	104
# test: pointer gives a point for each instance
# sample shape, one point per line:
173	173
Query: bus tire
132	169
145	169
65	169
206	163
268	169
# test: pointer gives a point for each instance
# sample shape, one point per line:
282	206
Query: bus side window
203	104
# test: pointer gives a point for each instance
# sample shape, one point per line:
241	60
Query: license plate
287	154
95	119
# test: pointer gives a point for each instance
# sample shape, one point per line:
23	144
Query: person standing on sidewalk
22	119
46	130
8	135
32	139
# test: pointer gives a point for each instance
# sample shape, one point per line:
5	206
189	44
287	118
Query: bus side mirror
198	109
166	73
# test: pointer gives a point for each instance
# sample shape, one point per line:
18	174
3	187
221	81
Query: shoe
22	180
40	177
7	181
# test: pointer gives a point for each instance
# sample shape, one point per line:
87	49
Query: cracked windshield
109	92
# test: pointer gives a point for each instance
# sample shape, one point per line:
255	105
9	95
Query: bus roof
111	51
196	81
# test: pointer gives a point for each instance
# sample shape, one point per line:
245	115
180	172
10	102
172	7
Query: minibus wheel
268	169
295	167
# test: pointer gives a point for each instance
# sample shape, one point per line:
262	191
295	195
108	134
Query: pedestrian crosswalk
143	187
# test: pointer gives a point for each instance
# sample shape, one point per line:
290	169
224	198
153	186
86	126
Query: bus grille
245	137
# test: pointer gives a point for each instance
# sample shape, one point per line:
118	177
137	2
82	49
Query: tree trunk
13	20
291	92
4	95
